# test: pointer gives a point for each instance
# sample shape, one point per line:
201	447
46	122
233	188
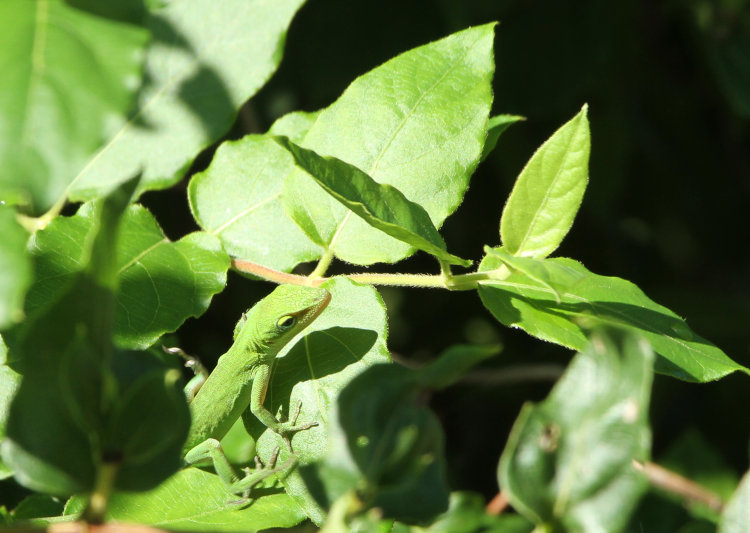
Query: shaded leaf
54	422
385	445
548	192
67	76
161	283
568	461
496	126
15	268
520	301
418	123
382	206
204	61
453	363
9	382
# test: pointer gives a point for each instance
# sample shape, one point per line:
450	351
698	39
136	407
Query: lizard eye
286	322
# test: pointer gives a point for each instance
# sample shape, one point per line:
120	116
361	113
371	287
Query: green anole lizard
240	380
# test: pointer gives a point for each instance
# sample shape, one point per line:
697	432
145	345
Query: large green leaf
206	58
568	460
418	123
346	338
15	268
194	500
560	316
238	199
548	192
383	207
161	283
67	76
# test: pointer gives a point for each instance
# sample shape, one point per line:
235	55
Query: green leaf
568	460
15	268
736	514
294	125
548	192
238	199
349	336
146	430
38	506
558	278
386	445
194	500
417	123
9	382
522	302
67	76
195	84
453	363
382	206
161	283
467	514
496	126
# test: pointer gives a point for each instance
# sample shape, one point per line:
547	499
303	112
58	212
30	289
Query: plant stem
323	264
459	282
97	506
681	486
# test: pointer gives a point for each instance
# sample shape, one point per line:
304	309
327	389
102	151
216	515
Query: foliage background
668	84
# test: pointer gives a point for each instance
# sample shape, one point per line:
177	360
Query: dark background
668	88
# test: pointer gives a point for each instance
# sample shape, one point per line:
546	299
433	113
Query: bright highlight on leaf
67	74
548	192
196	80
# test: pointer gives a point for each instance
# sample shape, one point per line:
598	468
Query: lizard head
278	317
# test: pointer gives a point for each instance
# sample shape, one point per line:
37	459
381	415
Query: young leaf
67	75
15	268
568	462
238	199
383	207
196	81
548	192
349	336
520	301
558	278
418	123
736	514
161	283
194	500
496	126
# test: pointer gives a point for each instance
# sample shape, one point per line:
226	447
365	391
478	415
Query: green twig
460	282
